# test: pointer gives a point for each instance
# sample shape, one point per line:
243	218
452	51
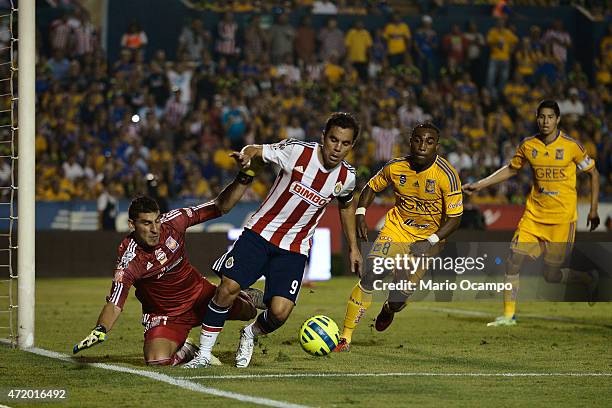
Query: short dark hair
550	104
342	120
426	125
142	204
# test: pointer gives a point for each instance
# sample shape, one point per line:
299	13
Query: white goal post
26	172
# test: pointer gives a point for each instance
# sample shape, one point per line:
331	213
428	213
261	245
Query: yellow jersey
552	199
422	199
357	44
397	36
501	42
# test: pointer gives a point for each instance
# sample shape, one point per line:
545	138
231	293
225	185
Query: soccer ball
319	335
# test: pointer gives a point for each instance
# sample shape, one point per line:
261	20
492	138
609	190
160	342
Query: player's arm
450	225
510	170
233	192
376	184
593	217
347	219
108	316
247	154
500	175
365	199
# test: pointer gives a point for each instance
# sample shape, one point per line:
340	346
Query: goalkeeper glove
97	335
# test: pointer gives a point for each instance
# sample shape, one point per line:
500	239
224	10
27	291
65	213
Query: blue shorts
252	257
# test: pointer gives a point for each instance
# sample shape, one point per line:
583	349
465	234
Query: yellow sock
510	296
358	303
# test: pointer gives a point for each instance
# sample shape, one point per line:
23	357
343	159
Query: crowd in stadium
107	125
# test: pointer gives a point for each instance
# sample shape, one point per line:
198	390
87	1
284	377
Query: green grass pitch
425	341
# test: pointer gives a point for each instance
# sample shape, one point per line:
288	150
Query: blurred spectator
410	113
572	108
179	77
331	39
460	159
134	38
255	38
358	42
455	46
235	121
501	42
386	136
332	70
559	39
227	30
281	39
305	40
59	34
605	47
85	34
475	43
324	7
502	9
58	65
527	60
295	130
426	41
378	54
175	109
398	37
194	39
108	207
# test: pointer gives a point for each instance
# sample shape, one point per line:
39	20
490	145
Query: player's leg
360	298
398	299
284	273
168	345
524	244
556	251
240	268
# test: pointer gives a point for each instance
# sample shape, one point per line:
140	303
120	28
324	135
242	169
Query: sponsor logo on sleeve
125	259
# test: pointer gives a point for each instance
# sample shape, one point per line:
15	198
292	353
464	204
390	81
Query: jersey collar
553	141
426	168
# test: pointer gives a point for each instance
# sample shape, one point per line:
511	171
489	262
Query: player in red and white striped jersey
173	294
276	240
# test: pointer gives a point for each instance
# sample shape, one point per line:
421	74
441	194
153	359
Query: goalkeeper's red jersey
166	283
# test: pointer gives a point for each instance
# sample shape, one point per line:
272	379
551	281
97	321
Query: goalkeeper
173	294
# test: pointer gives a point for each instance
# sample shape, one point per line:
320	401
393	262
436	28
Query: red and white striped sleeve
183	218
125	274
282	153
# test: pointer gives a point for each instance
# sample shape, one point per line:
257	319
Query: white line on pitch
314	375
479	313
179	382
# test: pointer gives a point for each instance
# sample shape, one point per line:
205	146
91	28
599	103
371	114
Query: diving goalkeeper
173	294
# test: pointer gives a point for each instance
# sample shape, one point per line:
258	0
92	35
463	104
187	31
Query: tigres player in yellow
549	222
428	208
